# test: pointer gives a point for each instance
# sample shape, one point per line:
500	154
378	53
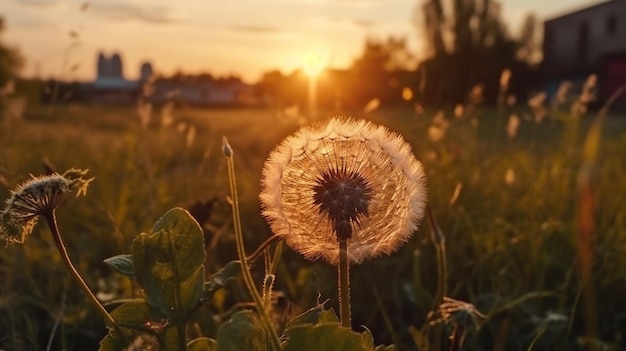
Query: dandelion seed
505	77
371	105
511	100
190	136
511	128
39	195
509	176
476	94
458	111
439	127
457	192
345	179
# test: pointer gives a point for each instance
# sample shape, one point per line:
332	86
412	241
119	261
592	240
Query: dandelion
41	196
38	196
346	181
461	315
343	179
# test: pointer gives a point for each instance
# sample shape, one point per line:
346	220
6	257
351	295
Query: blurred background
495	97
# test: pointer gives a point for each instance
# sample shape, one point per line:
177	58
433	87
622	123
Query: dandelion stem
344	284
50	217
253	256
241	252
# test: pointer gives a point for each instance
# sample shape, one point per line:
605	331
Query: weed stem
241	252
344	284
50	217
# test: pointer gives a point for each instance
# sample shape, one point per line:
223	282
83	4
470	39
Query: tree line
467	46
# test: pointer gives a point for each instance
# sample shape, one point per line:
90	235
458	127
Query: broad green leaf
121	264
312	316
326	336
169	265
202	344
134	319
242	332
219	279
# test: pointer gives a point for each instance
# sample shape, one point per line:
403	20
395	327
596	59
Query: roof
582	9
114	83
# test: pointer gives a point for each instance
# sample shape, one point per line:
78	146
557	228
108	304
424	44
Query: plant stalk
247	276
344	284
50	217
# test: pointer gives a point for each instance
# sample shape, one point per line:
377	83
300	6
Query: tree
468	44
529	40
10	60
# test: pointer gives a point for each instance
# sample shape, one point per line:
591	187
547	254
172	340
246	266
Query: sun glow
313	63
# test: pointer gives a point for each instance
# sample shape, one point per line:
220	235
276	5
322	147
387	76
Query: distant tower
116	66
146	71
102	65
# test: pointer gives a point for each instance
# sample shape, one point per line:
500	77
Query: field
514	211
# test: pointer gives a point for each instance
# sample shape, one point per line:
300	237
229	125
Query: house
587	41
110	86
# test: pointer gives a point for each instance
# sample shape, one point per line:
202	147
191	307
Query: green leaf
169	265
121	264
202	344
242	332
219	279
325	336
312	316
134	319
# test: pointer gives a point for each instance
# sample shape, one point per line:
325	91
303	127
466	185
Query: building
587	41
110	86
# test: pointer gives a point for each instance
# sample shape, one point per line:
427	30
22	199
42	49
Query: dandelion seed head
35	197
345	179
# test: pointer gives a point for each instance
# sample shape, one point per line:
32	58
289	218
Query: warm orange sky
243	37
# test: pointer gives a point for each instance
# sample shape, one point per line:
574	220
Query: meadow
512	202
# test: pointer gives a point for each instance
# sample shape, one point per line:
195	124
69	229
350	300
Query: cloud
363	23
39	3
130	12
253	29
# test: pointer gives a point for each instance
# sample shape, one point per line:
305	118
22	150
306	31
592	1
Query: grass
512	248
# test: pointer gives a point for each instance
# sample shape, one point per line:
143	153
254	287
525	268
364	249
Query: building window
611	25
583	41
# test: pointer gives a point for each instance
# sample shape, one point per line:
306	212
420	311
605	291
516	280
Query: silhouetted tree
10	60
468	44
529	40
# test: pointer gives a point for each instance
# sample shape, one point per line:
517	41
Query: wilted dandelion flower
37	196
343	180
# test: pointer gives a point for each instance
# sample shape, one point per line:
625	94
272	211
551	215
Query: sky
62	38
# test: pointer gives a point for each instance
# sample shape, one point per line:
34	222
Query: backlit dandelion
37	196
346	179
344	191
